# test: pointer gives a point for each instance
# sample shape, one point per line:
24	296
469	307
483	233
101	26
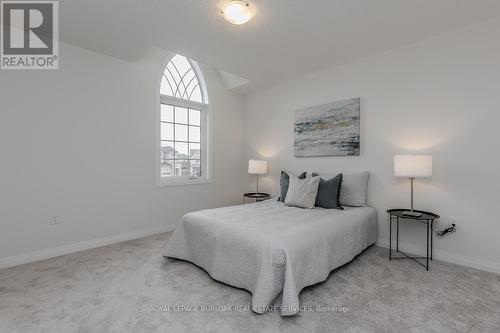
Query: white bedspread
268	248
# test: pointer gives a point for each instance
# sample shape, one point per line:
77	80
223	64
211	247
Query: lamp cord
447	230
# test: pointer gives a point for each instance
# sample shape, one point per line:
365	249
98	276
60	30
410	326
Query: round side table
257	196
427	218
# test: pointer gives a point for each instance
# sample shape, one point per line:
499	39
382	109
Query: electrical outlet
53	220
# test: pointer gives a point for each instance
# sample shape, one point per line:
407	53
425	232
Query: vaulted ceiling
285	39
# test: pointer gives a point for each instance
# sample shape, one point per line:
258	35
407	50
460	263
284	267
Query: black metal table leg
397	235
432	236
427	256
390	237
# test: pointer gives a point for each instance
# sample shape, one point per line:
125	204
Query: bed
270	249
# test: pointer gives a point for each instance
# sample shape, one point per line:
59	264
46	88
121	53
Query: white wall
439	96
79	143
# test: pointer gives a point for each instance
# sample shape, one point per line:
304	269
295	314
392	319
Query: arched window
183	156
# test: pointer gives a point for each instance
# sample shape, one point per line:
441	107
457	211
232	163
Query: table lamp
412	166
257	167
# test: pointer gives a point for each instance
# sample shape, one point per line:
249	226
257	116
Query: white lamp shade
257	167
418	166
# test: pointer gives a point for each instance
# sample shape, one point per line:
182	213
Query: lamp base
412	214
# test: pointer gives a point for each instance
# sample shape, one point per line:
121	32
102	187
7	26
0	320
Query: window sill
180	182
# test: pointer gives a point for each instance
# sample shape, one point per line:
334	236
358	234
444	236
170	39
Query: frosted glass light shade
237	12
257	167
417	166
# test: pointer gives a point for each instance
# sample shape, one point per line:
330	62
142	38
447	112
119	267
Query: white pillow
353	189
302	192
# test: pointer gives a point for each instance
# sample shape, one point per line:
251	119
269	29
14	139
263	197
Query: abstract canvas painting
328	130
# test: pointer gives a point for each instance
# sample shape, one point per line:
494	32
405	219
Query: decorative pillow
284	180
302	192
353	189
329	192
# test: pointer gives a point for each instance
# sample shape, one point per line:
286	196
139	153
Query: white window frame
205	137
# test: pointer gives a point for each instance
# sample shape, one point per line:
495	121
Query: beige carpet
130	287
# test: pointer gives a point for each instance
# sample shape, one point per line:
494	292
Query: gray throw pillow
284	181
329	193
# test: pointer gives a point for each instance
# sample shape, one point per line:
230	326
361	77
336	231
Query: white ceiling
285	39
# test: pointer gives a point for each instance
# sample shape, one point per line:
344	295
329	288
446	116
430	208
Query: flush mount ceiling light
237	12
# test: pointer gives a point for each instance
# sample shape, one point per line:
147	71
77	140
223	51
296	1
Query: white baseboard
485	265
80	246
